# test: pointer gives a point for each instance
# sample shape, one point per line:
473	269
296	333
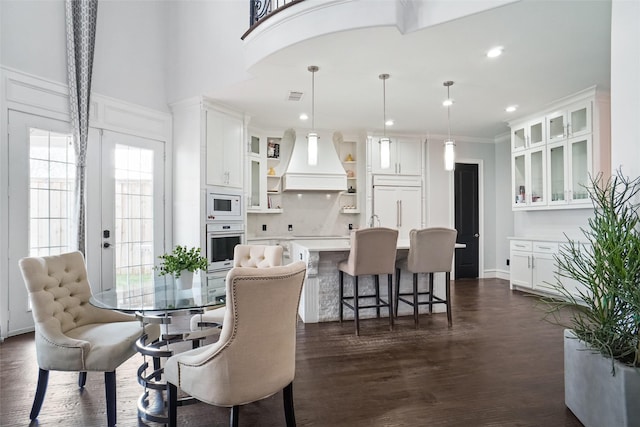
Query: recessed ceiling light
511	108
390	122
304	116
494	52
447	102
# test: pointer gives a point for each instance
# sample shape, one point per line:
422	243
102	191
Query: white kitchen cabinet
224	143
398	206
570	121
569	171
405	157
576	146
528	170
528	134
534	269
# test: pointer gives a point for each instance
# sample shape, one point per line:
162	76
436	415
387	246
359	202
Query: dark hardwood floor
500	364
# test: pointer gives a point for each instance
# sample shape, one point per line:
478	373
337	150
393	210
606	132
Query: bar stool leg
415	299
430	293
356	309
397	296
377	282
341	274
447	287
390	300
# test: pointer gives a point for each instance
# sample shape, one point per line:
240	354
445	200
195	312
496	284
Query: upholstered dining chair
430	251
256	256
373	252
255	355
70	333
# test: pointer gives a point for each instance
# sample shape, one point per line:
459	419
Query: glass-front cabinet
528	135
529	180
569	171
570	122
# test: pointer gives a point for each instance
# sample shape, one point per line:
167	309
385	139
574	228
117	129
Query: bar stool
373	252
430	251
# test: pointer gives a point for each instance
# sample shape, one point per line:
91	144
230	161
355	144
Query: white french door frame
31	94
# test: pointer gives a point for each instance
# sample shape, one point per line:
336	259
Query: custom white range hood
327	175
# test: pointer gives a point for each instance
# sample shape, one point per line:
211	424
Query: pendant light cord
449	114
313	100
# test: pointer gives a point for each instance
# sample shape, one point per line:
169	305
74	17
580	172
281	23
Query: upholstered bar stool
373	252
256	256
430	251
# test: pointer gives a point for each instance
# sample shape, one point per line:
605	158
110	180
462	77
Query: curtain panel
81	16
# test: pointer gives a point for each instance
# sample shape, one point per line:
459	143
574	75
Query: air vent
295	95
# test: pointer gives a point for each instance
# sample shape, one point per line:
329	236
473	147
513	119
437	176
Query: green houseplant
182	261
602	347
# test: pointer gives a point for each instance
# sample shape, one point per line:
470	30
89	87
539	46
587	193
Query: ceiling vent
295	95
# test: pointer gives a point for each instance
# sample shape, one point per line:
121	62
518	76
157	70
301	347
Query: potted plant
601	345
182	263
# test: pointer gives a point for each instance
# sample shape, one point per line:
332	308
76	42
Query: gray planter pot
595	396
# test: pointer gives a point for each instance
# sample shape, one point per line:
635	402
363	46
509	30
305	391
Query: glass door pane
537	177
579	170
519	179
556	173
255	184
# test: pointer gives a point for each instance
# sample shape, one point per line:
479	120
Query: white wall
129	61
204	47
504	215
625	87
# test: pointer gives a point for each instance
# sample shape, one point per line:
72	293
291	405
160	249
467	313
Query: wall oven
223	205
222	238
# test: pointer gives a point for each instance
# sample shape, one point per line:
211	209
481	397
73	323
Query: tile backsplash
309	214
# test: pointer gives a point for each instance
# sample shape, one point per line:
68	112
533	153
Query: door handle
400	215
106	245
476	235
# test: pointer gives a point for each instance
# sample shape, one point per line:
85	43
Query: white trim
497	274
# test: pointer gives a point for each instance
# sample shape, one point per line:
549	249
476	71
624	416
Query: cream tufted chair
70	333
430	251
256	256
256	353
373	252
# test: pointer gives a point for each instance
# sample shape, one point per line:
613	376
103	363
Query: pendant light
385	142
312	136
449	144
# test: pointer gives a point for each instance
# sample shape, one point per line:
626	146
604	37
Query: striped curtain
81	18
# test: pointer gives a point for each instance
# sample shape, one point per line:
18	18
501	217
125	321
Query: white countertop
335	245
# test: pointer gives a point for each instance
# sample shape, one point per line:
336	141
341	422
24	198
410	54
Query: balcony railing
259	10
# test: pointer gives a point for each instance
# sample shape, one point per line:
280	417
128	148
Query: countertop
335	245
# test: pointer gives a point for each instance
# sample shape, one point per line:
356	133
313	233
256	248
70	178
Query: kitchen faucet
371	220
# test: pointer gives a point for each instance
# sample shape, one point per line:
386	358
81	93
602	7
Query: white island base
321	293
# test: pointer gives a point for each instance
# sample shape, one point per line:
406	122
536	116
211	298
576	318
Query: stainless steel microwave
223	206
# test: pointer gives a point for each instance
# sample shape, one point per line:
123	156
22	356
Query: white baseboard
497	274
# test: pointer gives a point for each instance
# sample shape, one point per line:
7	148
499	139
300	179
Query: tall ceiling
552	49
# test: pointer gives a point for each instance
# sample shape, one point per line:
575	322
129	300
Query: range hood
327	175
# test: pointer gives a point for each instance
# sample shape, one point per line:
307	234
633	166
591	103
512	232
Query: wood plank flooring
500	364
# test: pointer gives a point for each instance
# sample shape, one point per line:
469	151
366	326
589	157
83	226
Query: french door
125	212
41	185
132	225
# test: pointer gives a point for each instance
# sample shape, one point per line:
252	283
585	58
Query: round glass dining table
172	308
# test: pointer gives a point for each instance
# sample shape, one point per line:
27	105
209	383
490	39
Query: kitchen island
320	300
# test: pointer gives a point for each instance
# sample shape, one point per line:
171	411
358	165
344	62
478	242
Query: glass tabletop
164	296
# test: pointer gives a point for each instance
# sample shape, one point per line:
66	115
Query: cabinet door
375	157
214	135
519	138
556	126
579	119
408	157
257	194
519	179
535	132
224	150
557	173
520	273
232	152
544	272
537	179
409	210
385	206
579	168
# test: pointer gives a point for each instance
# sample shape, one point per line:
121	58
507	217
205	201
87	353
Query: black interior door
467	220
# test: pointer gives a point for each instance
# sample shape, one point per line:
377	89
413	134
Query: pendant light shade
312	136
449	144
385	142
